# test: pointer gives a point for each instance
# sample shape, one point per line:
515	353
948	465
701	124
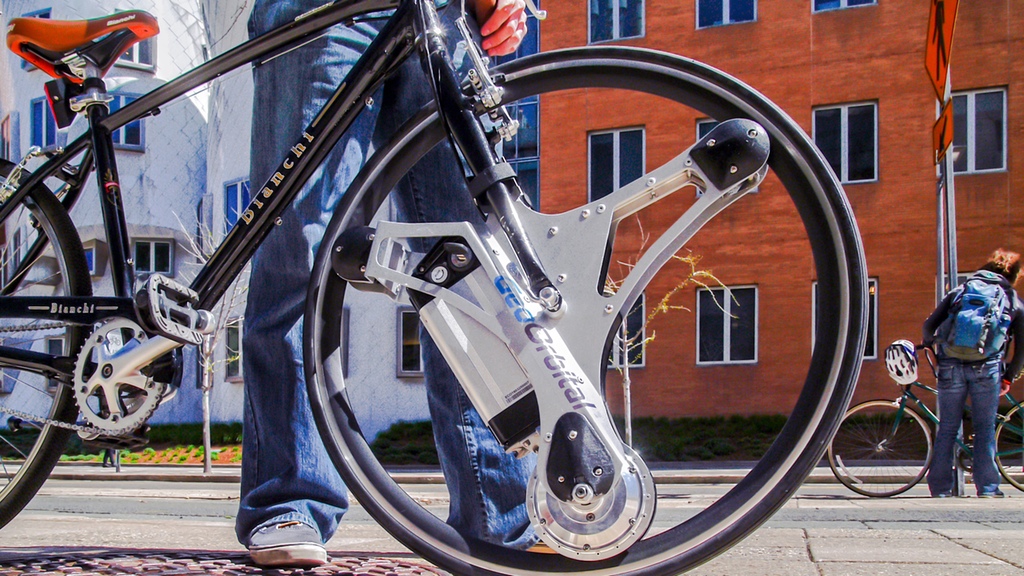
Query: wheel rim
868	458
832	370
28	450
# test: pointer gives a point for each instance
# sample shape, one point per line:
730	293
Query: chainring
111	396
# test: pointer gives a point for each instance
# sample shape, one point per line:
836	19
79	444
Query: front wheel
882	448
815	218
1010	447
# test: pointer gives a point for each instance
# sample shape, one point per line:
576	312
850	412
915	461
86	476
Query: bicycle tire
1010	447
832	372
28	455
862	464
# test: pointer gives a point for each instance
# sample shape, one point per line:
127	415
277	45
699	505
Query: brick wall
799	60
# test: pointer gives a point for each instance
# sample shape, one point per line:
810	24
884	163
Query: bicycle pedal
168	308
136	439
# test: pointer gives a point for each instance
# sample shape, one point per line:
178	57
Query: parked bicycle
884	447
519	303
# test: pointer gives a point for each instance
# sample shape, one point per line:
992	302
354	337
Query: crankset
113	394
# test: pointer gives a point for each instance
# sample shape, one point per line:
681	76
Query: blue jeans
957	382
286	472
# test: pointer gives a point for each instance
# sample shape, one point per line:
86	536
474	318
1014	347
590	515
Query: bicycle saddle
57	46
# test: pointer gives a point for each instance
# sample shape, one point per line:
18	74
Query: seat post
94	103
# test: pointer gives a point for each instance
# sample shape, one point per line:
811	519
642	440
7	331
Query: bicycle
884	447
514	303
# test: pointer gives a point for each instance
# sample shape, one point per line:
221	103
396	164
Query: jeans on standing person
286	472
958	381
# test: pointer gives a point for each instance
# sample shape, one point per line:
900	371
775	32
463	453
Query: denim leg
983	381
952	396
286	472
487	486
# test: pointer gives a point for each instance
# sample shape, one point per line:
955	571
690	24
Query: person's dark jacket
1016	330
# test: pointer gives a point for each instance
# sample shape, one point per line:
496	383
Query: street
823	531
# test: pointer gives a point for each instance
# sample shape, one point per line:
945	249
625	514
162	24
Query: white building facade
185	180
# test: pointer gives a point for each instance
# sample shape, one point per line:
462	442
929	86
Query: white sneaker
288	544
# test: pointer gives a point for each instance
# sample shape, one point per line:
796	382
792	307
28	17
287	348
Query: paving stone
847	569
902	550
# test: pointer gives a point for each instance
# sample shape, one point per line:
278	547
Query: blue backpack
979	319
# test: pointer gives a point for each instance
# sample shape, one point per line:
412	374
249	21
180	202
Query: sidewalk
674	473
824	530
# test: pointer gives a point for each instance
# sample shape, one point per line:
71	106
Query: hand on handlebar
1004	387
505	28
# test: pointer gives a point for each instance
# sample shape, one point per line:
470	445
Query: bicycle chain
52	422
34	327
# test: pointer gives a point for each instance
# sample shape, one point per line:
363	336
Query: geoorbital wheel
676	542
881	449
42	256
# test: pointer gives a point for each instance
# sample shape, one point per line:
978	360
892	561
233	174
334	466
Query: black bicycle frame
393	44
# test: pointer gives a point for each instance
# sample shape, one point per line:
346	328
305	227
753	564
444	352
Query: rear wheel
673	545
881	449
1010	447
41	256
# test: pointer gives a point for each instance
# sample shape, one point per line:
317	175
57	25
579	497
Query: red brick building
851	73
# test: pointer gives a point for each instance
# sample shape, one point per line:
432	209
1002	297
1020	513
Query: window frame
844	138
843	5
616	156
872	317
119	136
615	362
7	137
727	330
725	16
134	51
233	371
616	32
47	123
239	183
971	130
401	313
152	255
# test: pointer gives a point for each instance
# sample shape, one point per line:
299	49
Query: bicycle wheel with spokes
41	256
343	405
881	449
1010	447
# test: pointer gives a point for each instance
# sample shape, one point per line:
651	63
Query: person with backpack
970	331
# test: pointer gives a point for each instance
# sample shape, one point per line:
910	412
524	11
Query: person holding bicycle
978	372
292	497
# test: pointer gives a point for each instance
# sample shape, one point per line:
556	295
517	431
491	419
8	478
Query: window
848	138
90	259
616	159
13	256
616	19
871	347
129	136
822	5
631	345
523	152
979	131
139	55
727	325
44	126
236	199
6	138
410	361
233	349
719	12
153	256
55	347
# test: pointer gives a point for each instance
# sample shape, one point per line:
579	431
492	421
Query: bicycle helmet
901	362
